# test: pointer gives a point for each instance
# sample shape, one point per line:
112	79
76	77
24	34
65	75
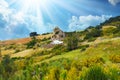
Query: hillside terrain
23	40
92	54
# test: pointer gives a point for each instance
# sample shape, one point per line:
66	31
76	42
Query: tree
72	42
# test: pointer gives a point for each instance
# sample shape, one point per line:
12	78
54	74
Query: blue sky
20	17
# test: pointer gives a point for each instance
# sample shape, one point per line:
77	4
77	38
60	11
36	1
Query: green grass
103	49
76	60
70	55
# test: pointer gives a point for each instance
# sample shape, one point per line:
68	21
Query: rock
58	34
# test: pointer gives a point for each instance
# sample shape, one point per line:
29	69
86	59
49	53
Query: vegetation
72	42
95	73
32	42
83	56
7	68
92	33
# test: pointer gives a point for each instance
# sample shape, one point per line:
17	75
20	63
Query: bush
72	42
7	67
72	74
83	47
109	30
114	74
92	61
92	34
115	58
32	43
54	74
63	75
95	73
58	50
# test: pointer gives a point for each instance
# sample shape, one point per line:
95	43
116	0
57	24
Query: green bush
95	73
58	50
72	42
114	74
83	47
54	74
32	43
92	33
7	67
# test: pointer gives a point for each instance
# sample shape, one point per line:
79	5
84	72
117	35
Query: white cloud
16	24
4	9
82	22
114	2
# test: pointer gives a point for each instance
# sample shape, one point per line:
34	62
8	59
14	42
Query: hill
114	21
24	40
92	54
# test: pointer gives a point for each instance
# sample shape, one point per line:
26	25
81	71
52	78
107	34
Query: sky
20	17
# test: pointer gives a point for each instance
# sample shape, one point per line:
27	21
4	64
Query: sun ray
45	11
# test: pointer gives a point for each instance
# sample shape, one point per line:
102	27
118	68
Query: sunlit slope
24	40
17	47
105	49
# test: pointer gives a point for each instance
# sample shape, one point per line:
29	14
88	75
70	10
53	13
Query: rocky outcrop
58	34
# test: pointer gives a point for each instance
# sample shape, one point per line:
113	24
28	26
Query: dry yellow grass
24	53
6	52
23	40
44	36
109	26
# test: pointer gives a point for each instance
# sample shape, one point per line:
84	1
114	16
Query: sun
42	11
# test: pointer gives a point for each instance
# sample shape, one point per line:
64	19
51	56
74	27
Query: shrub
109	30
92	34
115	58
7	67
32	43
92	61
72	42
83	47
114	74
95	73
72	74
63	75
54	74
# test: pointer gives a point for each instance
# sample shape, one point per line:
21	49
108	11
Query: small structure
32	34
58	34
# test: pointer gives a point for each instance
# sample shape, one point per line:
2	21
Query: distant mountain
109	28
114	21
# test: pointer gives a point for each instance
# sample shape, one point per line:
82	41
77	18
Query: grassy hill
23	40
92	54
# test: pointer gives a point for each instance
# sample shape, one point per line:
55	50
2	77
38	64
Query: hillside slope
91	54
24	40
